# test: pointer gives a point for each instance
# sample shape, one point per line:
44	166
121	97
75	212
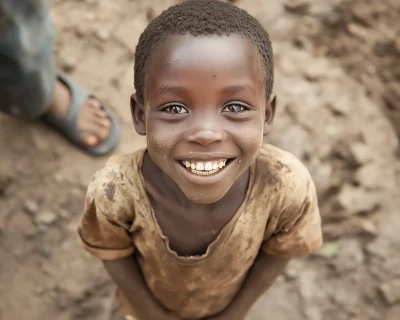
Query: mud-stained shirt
279	216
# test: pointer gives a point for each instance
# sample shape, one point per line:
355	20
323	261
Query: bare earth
338	83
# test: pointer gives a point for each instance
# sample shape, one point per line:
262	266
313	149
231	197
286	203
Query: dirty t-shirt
279	216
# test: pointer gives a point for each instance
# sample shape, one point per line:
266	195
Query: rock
342	150
41	228
90	16
317	70
75	291
350	256
18	253
297	6
45	251
77	192
294	268
351	226
129	30
323	177
379	247
5	182
150	14
372	176
103	34
39	290
354	200
45	218
391	291
79	30
59	178
332	19
287	66
358	31
329	249
67	61
392	96
26	225
337	109
361	153
30	206
23	167
362	13
345	297
365	227
302	42
313	312
309	287
331	131
64	214
62	301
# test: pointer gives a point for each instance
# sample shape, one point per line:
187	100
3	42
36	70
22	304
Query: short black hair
202	17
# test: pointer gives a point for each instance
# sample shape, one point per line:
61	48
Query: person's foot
92	120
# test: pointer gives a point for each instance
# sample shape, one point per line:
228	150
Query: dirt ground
338	83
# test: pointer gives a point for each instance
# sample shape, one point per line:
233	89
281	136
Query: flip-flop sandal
67	125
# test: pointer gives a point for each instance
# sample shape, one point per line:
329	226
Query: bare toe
93	121
89	139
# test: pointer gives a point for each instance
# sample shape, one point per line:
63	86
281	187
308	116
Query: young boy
201	223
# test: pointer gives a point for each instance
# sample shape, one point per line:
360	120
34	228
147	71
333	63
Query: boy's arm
262	275
126	274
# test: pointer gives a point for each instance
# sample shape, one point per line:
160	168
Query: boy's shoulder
115	184
121	169
282	170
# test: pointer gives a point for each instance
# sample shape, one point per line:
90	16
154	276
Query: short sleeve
298	229
106	223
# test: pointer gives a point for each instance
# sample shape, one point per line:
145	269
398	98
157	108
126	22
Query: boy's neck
154	176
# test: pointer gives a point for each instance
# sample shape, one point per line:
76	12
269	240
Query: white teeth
208	166
204	167
204	173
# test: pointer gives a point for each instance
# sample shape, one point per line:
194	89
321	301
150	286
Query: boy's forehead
179	47
218	54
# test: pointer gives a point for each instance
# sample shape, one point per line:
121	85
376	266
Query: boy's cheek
251	138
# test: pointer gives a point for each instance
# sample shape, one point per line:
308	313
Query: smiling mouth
205	168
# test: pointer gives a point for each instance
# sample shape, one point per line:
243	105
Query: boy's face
205	112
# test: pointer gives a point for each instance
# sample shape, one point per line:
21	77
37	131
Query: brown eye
175	109
234	108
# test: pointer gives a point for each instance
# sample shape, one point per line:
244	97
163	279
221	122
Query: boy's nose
204	136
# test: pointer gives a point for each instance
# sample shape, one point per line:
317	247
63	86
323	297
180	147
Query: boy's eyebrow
167	89
239	88
228	90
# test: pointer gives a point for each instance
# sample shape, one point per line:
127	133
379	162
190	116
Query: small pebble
45	218
30	206
297	6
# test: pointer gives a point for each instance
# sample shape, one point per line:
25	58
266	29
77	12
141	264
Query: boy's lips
203	176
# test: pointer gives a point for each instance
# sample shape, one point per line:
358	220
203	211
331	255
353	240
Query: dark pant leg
27	68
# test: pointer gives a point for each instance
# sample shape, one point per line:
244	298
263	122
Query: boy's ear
138	115
270	109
